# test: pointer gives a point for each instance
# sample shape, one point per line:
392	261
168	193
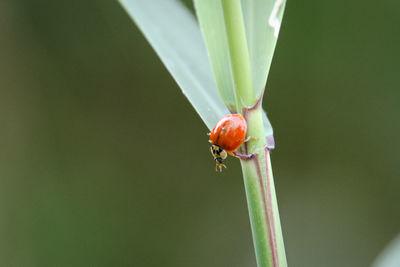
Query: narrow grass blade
262	20
211	19
175	35
390	256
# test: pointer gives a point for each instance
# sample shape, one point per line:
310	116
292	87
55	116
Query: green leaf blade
390	255
175	36
262	21
210	16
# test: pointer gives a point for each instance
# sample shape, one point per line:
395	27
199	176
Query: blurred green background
103	162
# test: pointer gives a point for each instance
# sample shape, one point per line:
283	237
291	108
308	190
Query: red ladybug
227	136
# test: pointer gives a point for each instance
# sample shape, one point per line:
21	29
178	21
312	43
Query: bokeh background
103	162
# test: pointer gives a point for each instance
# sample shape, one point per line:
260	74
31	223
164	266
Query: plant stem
257	172
263	211
240	60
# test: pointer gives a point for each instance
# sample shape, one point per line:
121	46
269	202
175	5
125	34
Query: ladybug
227	136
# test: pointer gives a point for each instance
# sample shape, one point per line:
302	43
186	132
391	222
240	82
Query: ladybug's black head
219	155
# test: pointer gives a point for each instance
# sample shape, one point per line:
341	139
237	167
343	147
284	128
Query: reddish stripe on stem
268	212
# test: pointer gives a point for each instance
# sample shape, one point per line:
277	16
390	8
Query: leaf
390	256
175	35
212	25
262	20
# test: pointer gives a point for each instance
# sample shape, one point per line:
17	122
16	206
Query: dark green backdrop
103	162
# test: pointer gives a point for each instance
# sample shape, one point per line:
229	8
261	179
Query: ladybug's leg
250	138
219	165
241	156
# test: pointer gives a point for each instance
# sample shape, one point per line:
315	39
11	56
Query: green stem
257	172
240	60
263	211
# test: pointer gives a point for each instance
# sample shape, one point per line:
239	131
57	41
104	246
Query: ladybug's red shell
229	132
